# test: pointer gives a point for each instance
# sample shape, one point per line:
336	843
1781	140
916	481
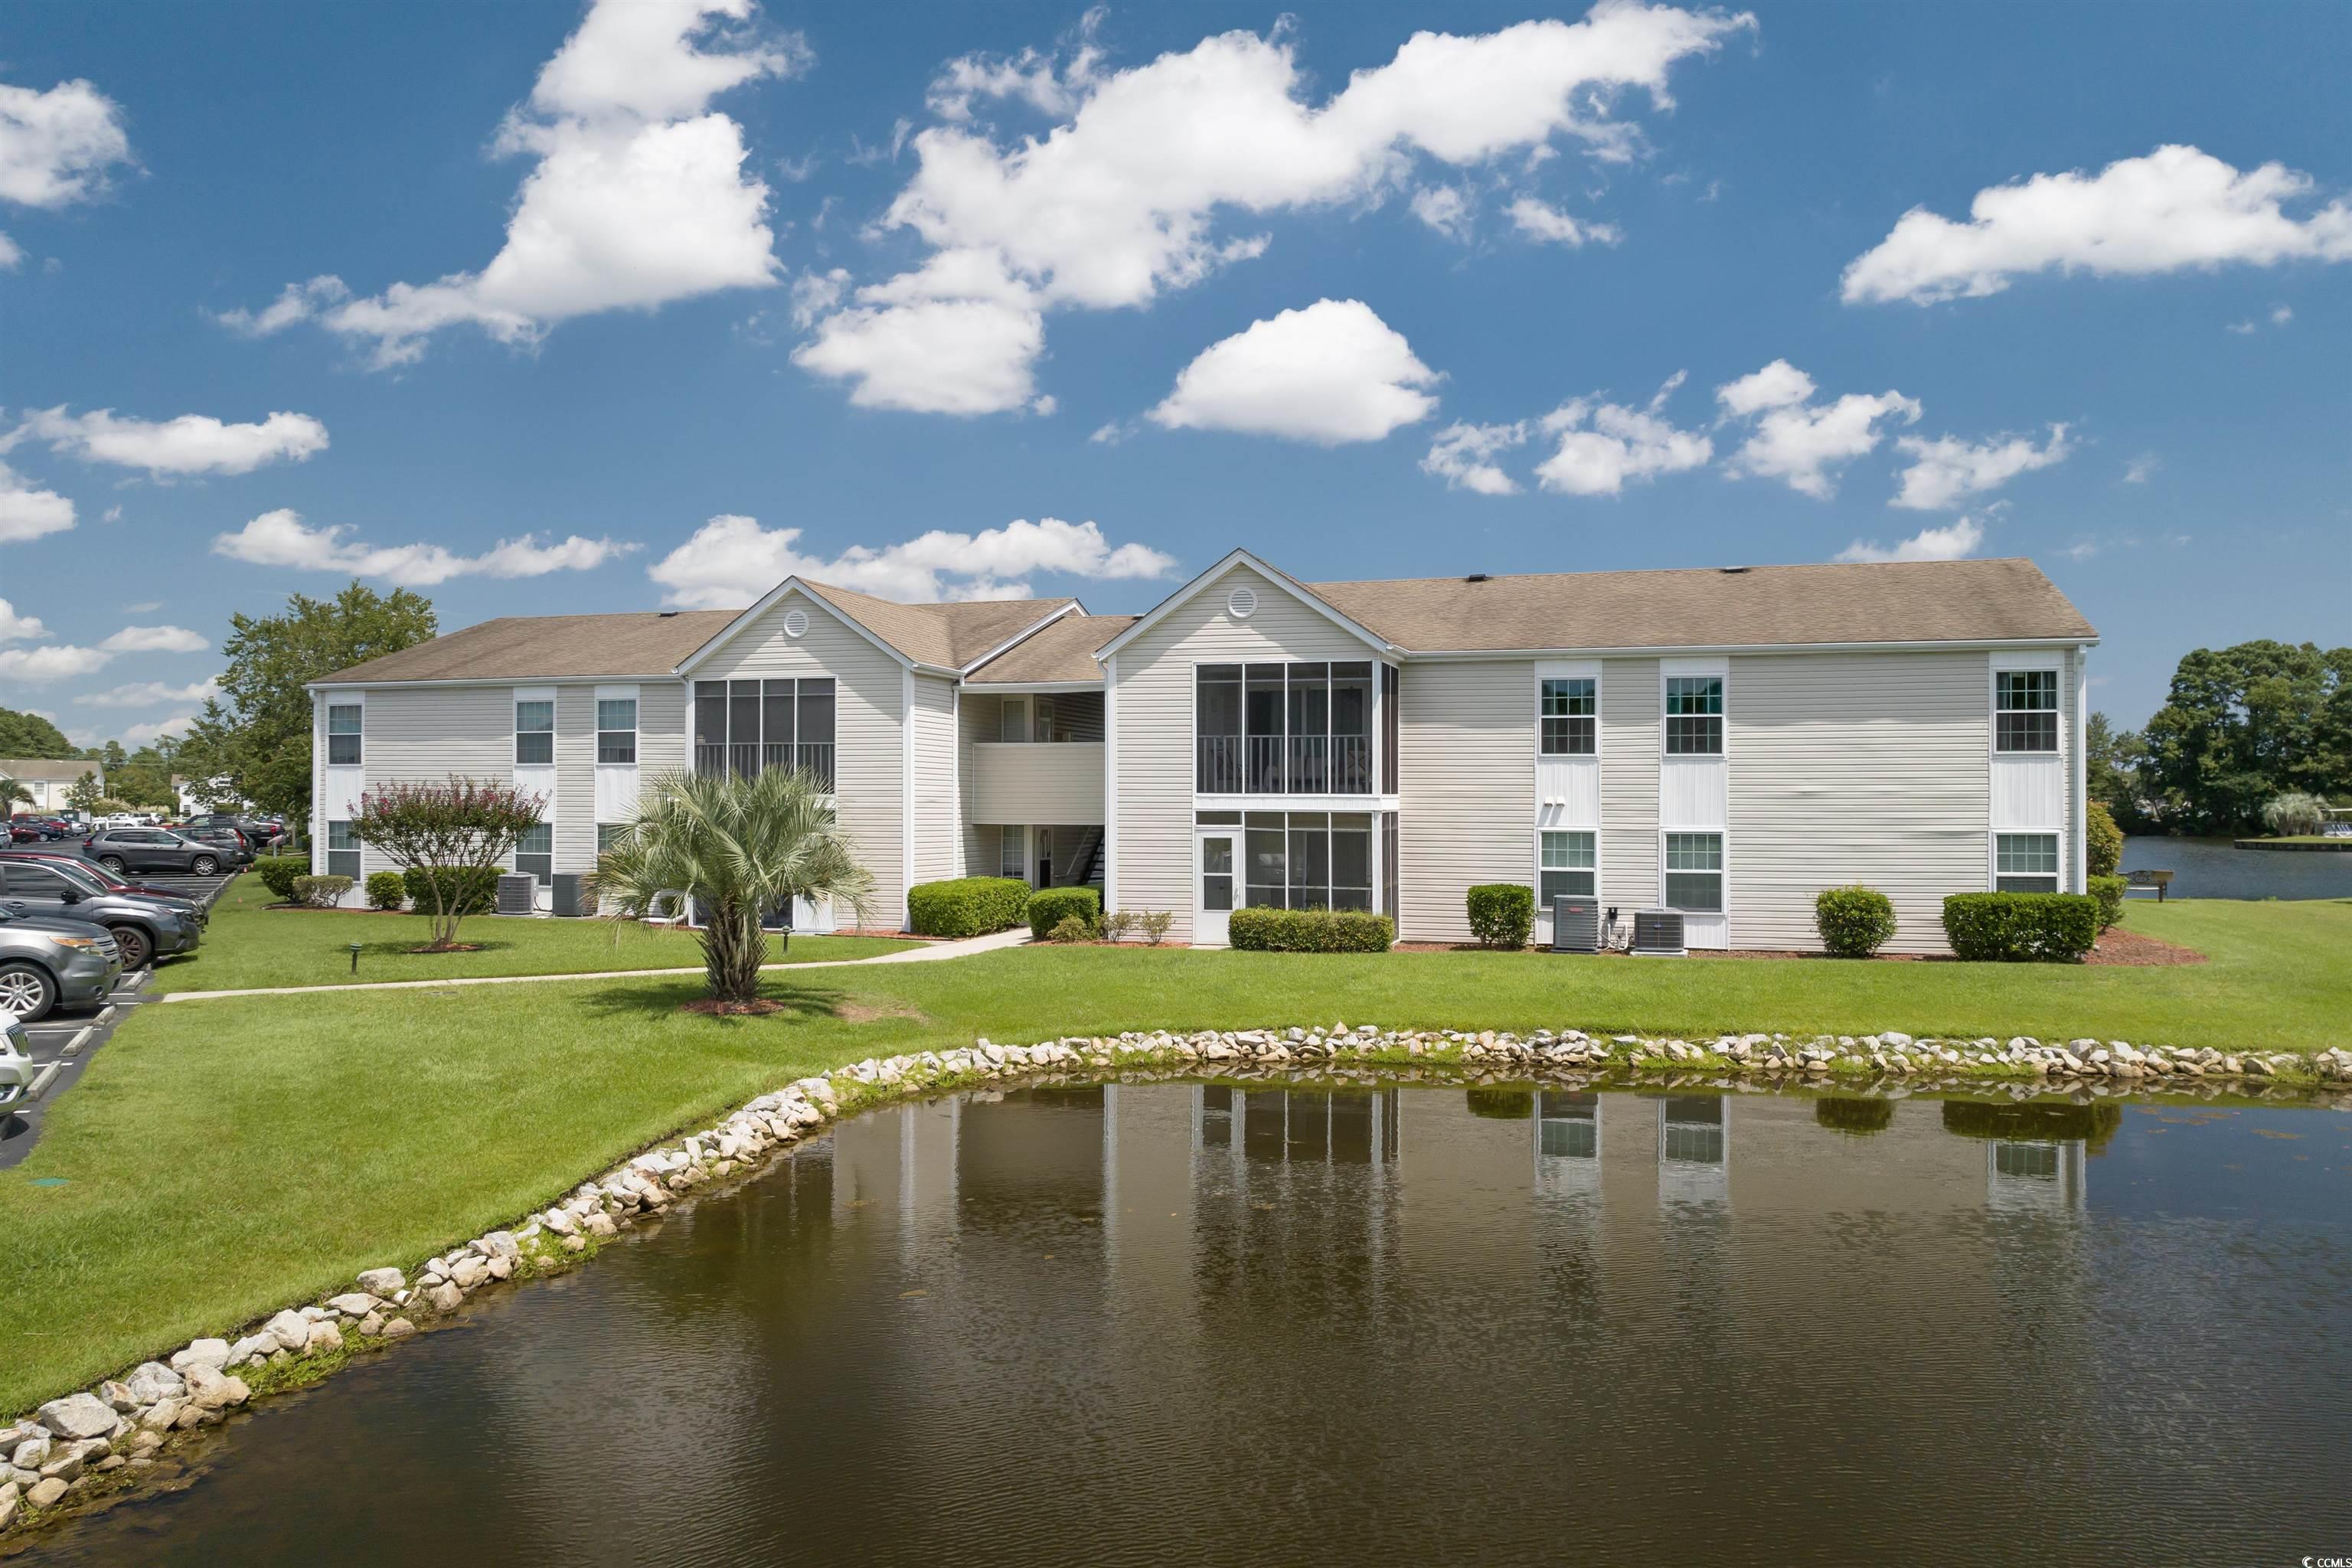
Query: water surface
1176	1323
2214	868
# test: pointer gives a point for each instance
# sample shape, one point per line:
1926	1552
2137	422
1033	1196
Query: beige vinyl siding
575	778
423	734
932	730
1850	768
661	728
1630	704
868	786
1155	723
1466	801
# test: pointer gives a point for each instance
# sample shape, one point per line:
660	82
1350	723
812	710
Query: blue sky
1423	322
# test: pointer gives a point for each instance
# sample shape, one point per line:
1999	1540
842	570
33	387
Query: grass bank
249	943
225	1159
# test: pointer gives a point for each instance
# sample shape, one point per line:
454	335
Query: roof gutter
1678	651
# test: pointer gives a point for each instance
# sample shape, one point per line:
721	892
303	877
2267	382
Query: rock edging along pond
87	1446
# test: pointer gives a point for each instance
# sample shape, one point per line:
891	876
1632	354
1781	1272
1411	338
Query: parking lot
64	1042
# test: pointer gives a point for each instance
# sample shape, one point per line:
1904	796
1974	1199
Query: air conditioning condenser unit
1658	934
1575	925
518	894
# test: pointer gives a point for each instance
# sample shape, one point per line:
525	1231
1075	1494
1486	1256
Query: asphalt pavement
67	1040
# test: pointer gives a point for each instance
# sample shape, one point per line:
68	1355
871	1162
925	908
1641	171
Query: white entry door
1213	900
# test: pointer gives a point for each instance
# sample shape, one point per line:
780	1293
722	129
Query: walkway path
929	952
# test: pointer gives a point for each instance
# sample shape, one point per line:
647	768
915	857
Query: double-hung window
1694	873
1013	852
2025	710
616	729
342	851
1567	712
343	723
608	835
2025	862
535	851
1567	869
534	734
1694	715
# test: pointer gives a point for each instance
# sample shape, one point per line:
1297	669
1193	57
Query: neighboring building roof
1063	652
1754	607
529	648
946	634
39	770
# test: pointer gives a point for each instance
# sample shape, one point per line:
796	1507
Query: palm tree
738	846
11	792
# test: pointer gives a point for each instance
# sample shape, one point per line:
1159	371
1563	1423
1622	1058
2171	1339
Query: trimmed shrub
1502	914
2103	840
1049	907
320	892
2109	892
966	906
1155	925
1072	928
2035	1121
468	890
1260	929
2021	928
278	873
386	890
1855	923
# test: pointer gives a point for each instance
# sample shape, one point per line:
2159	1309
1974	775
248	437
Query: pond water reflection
2217	868
1217	1323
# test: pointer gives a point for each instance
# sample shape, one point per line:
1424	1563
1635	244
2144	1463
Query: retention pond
1174	1321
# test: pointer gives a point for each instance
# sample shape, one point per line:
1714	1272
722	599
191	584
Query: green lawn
223	1158
249	943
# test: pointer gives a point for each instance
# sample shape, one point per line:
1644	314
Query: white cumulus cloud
1464	456
1331	373
28	512
11	254
1793	438
150	693
1604	445
1945	471
1123	198
730	560
1956	539
15	627
638	197
138	735
2174	209
155	639
55	661
190	444
56	146
958	335
281	538
1547	224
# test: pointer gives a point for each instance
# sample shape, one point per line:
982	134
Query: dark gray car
144	928
122	849
48	963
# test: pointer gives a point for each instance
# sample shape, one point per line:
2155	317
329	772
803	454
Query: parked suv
261	833
144	929
49	963
120	850
236	849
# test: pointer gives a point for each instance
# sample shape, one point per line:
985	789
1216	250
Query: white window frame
2057	872
520	853
1591	870
2056	673
1667	676
1722	870
533	699
342	860
1013	841
1543	719
358	735
603	729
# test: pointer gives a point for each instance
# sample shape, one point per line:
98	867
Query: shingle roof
1064	651
1886	601
524	647
951	634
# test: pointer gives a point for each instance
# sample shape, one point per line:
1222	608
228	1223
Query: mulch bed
719	1009
2117	945
428	951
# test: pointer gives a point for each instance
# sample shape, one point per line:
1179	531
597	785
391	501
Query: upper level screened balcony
1293	729
746	726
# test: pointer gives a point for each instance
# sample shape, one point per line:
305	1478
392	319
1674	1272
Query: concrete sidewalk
929	952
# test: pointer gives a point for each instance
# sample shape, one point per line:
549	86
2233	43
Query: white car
15	1063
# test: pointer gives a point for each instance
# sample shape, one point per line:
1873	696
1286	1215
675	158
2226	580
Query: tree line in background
252	744
2240	728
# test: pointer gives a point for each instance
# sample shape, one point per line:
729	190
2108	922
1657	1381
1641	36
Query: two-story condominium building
1723	743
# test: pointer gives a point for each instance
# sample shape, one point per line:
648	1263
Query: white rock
208	1353
353	1304
78	1416
323	1337
500	1244
152	1381
252	1348
470	1272
383	1281
290	1328
209	1390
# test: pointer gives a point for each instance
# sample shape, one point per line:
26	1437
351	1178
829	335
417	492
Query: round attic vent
795	622
1242	601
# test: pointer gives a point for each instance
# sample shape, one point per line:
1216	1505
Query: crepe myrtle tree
455	834
740	847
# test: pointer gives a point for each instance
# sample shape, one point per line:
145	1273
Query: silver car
17	1067
50	964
